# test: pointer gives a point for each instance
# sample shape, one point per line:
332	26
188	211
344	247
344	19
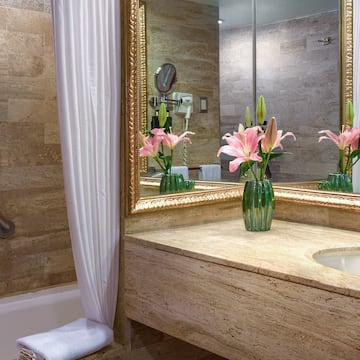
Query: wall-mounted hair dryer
184	105
187	102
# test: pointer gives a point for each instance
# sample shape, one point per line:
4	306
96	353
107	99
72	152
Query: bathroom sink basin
347	260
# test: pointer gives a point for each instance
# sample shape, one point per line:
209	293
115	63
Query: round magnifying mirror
165	78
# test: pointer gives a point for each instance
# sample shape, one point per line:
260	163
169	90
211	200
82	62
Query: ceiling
235	13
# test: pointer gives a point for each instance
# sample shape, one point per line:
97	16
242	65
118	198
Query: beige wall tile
22	87
47	6
3	12
24	133
25	21
22	43
32	66
34	155
33	111
52	133
37	5
50	88
4	155
3	110
29	177
49	61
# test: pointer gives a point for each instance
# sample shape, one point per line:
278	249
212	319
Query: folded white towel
183	170
71	341
210	172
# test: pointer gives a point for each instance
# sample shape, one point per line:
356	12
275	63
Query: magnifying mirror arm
156	100
173	102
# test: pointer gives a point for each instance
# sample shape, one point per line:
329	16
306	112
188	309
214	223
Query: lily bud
261	110
241	128
162	115
248	120
349	113
271	135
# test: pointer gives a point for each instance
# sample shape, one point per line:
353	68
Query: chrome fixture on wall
7	228
326	40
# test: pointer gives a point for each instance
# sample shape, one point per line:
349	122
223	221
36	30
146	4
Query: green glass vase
258	205
172	183
339	182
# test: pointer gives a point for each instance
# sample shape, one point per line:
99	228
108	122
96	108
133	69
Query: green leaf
355	154
244	167
274	155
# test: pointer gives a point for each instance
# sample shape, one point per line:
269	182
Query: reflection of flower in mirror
253	145
160	145
347	141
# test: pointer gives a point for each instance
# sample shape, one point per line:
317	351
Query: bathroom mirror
165	78
131	58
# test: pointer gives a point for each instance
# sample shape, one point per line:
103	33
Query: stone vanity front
246	295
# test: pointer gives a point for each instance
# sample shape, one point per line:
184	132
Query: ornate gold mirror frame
133	93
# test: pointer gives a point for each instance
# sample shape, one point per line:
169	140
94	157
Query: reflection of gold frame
131	114
346	54
143	114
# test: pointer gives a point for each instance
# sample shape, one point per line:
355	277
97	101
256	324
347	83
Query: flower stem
171	157
161	166
252	171
349	163
263	169
341	161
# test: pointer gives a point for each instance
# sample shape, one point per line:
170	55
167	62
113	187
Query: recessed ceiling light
220	21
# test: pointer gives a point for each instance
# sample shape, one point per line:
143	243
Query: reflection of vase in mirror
340	182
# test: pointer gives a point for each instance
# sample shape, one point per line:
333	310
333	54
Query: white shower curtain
356	83
87	52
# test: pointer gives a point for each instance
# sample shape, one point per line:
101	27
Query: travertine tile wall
31	178
186	34
299	78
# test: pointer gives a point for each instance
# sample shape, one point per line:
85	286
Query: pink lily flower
171	140
151	144
348	137
158	132
273	137
243	145
355	139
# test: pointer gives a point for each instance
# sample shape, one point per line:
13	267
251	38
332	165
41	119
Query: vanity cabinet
246	295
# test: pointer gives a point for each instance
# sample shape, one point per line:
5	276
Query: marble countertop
284	252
